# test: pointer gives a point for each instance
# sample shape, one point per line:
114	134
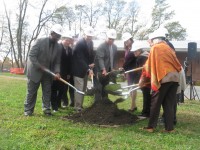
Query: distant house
193	66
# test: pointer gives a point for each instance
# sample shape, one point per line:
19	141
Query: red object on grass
17	71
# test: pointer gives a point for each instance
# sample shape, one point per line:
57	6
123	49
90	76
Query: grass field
39	132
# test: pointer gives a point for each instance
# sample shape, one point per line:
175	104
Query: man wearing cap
105	61
44	54
83	63
162	70
59	89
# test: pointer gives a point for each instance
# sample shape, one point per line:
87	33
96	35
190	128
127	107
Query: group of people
158	80
53	58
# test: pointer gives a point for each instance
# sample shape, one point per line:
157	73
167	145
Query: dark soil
104	112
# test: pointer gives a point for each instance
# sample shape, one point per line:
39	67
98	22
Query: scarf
161	61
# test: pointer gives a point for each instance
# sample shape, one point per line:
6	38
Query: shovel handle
136	69
62	80
125	87
138	87
92	79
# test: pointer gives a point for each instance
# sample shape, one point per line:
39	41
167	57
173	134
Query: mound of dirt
104	112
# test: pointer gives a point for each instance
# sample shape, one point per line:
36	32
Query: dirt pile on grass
104	112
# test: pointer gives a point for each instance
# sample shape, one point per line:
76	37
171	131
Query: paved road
192	92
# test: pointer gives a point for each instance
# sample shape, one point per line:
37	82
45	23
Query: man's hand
91	66
104	72
57	76
144	82
90	73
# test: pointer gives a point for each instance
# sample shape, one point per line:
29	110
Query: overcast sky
186	12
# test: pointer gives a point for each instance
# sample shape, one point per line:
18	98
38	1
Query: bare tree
65	16
21	18
13	51
91	12
130	22
4	52
43	18
115	12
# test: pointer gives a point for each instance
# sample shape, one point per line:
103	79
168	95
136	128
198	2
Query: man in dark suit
105	61
83	63
59	89
44	54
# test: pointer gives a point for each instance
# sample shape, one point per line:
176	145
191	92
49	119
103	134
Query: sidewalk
194	91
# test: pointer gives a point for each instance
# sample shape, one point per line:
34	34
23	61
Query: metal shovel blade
123	93
90	91
117	87
112	87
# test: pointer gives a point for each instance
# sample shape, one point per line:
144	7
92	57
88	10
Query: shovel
125	94
62	80
132	70
114	87
90	90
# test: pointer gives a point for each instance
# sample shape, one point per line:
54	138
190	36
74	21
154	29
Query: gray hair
157	40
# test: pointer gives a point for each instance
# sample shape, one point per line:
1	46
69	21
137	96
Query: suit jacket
140	61
129	61
102	58
40	56
82	57
66	62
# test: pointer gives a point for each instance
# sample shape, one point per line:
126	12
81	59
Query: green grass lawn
39	132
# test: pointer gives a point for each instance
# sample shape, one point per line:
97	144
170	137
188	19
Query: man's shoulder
80	41
43	38
103	44
60	47
114	46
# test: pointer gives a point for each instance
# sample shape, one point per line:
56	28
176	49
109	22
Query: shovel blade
90	91
112	87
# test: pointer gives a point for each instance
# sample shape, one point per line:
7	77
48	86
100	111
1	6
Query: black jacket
83	55
129	61
66	62
140	61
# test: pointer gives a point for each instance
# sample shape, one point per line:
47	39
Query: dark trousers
71	93
175	110
99	83
32	89
56	95
166	96
59	93
146	101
